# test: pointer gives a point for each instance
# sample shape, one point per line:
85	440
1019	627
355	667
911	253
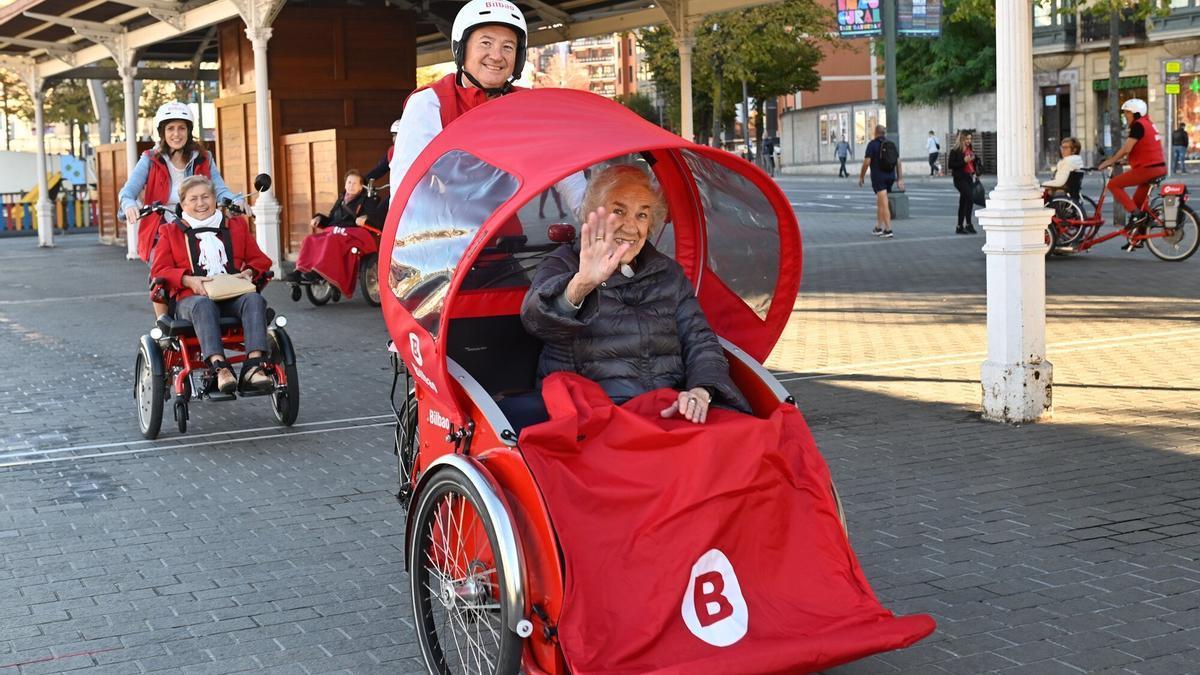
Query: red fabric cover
328	253
158	189
172	260
637	500
1148	150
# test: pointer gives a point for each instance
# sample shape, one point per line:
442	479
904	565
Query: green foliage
68	101
641	104
15	98
962	62
775	48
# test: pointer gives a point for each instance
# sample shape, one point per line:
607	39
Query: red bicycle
1171	231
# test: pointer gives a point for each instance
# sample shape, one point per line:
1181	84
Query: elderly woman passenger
615	310
192	252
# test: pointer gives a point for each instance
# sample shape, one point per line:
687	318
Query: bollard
898	205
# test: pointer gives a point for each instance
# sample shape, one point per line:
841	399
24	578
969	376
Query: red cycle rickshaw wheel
455	579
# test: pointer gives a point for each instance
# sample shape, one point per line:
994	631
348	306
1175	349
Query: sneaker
887	234
877	232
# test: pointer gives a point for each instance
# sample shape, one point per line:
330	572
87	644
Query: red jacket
173	256
158	189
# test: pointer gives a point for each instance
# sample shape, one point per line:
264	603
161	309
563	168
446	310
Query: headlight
280	320
156	333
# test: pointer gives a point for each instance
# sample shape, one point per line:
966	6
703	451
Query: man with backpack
882	157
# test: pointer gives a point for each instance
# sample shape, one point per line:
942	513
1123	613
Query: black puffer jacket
632	335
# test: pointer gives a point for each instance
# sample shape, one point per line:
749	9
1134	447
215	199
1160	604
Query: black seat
174	327
496	351
1074	184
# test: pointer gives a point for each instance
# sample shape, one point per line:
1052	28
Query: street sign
1172	76
859	18
919	18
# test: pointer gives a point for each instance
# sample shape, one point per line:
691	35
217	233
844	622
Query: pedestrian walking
842	151
768	156
965	166
882	158
1179	146
934	149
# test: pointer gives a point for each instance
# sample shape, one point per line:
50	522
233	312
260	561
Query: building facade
1071	70
609	65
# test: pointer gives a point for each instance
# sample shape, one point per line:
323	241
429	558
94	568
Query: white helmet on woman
395	127
173	111
478	13
1136	106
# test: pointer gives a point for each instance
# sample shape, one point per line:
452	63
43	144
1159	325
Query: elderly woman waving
615	310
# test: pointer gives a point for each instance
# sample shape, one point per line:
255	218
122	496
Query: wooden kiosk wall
342	72
111	173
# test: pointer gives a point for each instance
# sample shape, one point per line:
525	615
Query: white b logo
414	346
713	606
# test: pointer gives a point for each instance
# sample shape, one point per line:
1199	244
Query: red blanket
699	549
328	253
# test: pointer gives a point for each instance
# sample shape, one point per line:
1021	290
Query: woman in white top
1071	161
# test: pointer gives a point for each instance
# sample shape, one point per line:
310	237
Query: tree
961	63
773	48
68	102
15	101
641	104
564	72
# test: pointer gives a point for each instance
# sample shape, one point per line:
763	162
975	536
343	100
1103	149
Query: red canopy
734	231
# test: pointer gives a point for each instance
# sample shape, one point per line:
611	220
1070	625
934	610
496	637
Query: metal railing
74	211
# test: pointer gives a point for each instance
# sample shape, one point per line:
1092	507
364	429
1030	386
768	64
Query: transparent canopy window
452	201
511	258
743	232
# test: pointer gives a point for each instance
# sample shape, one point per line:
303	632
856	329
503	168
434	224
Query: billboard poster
919	18
859	18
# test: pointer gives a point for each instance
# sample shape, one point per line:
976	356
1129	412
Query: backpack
889	156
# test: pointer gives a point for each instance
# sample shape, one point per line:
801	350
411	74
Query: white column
127	72
45	212
266	207
1016	377
685	40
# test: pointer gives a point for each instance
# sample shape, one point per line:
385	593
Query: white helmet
478	13
173	111
395	127
1135	105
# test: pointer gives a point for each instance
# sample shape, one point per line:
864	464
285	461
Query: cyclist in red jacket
1143	147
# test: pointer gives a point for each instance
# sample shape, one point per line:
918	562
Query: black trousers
966	189
842	171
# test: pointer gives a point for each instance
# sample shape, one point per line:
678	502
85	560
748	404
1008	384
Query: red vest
1148	150
158	189
454	99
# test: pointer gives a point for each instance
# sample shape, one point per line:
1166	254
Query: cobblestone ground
1069	546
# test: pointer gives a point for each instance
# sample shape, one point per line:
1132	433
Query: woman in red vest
161	171
488	40
1146	162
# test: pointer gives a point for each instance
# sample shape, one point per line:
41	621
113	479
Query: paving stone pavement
1068	546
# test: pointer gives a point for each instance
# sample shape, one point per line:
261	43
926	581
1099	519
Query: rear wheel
1067	227
1177	243
456	579
368	279
150	393
319	292
285	399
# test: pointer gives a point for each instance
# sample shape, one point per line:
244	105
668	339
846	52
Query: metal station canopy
61	36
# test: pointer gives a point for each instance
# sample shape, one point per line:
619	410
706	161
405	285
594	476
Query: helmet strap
490	91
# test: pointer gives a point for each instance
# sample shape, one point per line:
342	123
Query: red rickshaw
570	545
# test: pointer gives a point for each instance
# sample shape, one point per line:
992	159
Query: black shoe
1135	218
292	277
970	229
959	230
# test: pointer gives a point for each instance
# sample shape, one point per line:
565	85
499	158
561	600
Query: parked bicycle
1171	231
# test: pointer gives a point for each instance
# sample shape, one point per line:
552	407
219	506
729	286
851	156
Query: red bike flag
689	548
